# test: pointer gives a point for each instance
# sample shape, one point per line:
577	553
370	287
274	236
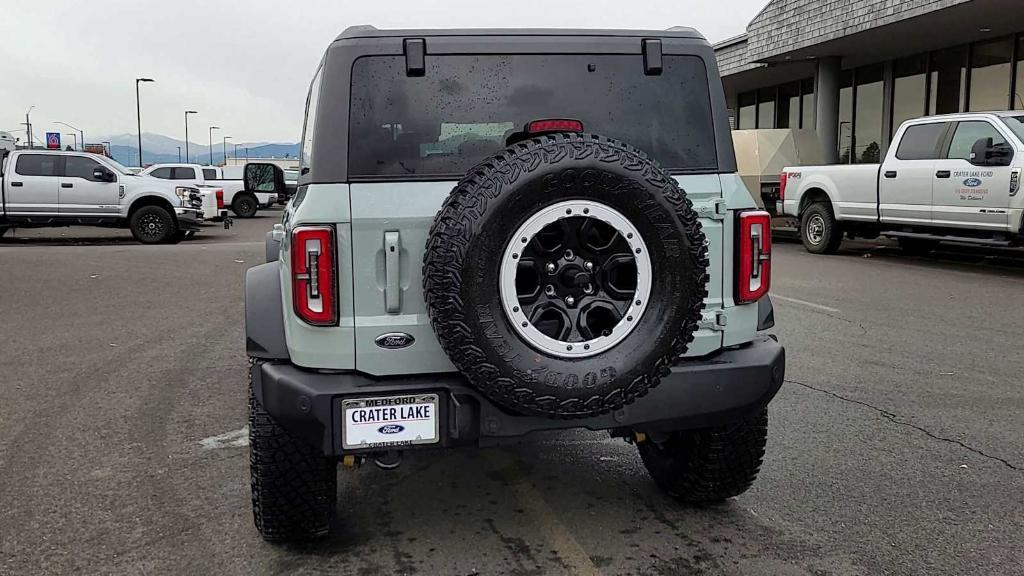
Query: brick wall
786	25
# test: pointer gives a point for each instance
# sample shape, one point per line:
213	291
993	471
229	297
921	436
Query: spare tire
565	274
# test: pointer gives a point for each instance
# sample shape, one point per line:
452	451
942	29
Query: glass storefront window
807	118
867	136
948	79
748	111
909	87
1018	97
787	113
845	116
766	108
990	75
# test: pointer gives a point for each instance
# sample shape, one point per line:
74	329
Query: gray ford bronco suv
499	232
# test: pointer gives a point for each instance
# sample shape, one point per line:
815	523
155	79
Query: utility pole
236	154
28	127
224	150
187	112
212	128
179	154
138	114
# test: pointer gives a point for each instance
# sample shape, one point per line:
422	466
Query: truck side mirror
985	153
103	175
264	177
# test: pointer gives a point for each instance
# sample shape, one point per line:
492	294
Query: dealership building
853	70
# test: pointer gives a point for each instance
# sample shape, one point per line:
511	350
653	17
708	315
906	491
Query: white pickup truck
954	177
244	203
42	188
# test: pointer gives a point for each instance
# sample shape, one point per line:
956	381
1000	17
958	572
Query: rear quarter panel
851	189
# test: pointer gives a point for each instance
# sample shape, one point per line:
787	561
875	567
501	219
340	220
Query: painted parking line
805	303
234	439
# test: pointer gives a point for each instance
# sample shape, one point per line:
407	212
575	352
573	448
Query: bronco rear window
442	124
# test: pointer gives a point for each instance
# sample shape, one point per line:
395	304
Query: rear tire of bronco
153	225
245	205
819	230
710	464
565	275
294	486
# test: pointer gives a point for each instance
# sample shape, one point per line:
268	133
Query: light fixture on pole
212	128
80	133
224	150
187	112
138	114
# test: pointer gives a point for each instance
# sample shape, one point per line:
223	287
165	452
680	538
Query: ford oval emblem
972	182
394	340
391	429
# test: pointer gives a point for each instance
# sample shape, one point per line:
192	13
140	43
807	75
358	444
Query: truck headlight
183	193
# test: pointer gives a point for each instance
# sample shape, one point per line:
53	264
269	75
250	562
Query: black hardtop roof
367	31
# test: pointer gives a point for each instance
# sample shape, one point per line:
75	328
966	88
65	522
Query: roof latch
415	56
652	57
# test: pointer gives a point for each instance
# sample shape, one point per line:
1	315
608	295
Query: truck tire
917	246
710	464
153	225
245	205
294	485
819	230
564	275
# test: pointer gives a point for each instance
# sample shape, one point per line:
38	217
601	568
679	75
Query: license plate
389	421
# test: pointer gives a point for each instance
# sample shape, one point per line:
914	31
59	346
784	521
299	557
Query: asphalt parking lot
895	445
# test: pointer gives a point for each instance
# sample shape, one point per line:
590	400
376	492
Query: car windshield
1015	124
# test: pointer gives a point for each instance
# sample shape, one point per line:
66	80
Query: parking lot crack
895	419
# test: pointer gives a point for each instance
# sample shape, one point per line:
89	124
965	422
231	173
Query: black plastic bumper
189	220
704	392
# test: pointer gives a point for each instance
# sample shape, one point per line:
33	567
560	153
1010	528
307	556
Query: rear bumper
698	393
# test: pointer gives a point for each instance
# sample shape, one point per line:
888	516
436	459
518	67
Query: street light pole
179	154
224	150
138	114
80	133
187	112
28	127
236	154
212	128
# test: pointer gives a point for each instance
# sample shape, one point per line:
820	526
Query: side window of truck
79	167
967	133
921	141
162	173
209	174
37	165
184	174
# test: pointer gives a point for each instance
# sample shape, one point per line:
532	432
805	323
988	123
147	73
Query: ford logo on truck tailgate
394	340
391	429
972	182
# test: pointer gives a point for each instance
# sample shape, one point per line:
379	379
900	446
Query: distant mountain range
160	149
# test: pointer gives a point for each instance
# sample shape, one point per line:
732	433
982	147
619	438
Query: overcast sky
246	66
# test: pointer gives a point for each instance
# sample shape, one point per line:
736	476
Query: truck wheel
153	225
293	484
245	205
917	246
565	275
710	464
819	231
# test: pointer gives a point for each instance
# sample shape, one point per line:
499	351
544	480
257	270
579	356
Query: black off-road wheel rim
575	279
245	207
152	227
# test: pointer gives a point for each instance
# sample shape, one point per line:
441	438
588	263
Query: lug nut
550	267
570	300
589	266
549	290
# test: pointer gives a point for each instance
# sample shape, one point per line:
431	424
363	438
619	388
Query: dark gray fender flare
264	318
765	313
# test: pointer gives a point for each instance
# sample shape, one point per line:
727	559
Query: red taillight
554	125
783	178
313	282
754	256
220	199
